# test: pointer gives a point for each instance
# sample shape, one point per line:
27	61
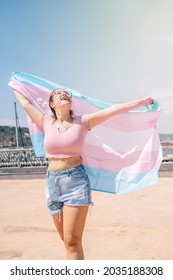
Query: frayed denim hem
56	214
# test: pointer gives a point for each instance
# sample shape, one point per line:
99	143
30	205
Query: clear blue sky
115	50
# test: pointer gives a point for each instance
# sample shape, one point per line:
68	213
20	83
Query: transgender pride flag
121	155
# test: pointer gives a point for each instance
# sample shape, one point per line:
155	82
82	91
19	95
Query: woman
68	193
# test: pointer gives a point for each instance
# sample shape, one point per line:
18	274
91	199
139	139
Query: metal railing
167	153
24	157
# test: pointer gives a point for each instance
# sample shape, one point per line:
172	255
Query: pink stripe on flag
138	162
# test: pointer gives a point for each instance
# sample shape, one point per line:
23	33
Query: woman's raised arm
33	113
103	115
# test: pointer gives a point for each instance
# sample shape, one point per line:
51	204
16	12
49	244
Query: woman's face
60	98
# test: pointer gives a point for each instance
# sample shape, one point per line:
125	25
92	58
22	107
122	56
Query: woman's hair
51	100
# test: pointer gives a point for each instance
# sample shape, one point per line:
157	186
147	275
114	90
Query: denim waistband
65	171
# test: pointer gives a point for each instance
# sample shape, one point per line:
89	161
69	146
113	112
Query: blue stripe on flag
119	182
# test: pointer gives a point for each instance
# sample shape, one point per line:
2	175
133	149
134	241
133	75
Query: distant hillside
8	137
166	137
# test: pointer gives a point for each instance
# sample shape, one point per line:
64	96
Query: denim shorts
67	187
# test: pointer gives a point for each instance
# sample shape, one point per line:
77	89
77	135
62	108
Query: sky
113	50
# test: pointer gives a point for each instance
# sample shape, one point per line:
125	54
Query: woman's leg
58	221
74	218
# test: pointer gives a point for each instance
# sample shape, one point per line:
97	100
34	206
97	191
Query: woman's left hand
147	101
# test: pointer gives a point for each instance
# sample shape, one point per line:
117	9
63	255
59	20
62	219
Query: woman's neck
63	116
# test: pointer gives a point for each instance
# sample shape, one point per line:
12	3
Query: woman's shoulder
83	119
80	118
47	119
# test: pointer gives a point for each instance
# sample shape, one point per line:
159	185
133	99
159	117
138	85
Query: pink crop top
65	144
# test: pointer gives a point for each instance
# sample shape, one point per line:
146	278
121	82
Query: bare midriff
59	164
